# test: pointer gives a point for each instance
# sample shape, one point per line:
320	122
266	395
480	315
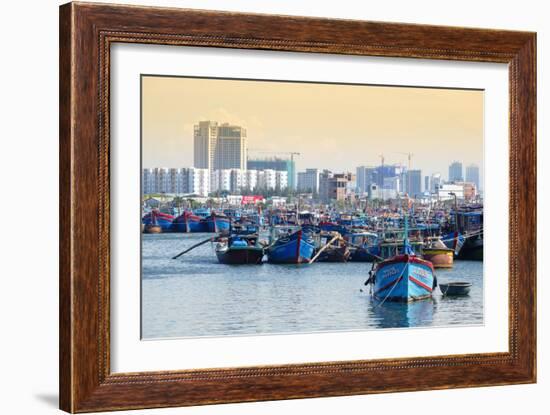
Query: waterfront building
376	192
277	164
198	181
364	178
414	183
308	181
324	178
383	171
220	180
455	172
435	182
251	179
338	186
238	180
160	179
469	190
392	183
269	179
147	182
446	191
281	180
472	174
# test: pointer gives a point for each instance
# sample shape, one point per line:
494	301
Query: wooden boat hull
472	249
362	255
404	278
336	254
152	229
159	219
292	249
439	257
240	255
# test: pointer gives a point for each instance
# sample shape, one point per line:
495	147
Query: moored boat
455	288
188	222
292	247
240	249
336	251
363	246
439	257
155	219
217	223
404	277
438	254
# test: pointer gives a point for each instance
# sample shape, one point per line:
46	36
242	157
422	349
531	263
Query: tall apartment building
219	146
472	174
455	172
308	181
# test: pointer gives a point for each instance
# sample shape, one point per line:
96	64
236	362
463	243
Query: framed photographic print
260	207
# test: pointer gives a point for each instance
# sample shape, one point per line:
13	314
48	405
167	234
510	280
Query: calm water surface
196	296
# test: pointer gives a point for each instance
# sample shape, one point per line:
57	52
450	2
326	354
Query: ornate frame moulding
86	33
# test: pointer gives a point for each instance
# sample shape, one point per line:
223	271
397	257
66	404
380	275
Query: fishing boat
239	249
438	254
337	249
188	222
468	222
217	222
156	219
363	246
404	277
290	246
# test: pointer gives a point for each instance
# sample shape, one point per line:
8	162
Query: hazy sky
337	127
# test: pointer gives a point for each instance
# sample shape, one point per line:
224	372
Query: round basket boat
455	288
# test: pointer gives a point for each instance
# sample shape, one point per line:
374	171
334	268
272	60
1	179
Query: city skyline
366	121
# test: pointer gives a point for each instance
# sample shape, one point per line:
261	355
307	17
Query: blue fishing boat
188	222
291	247
217	223
404	277
364	246
157	218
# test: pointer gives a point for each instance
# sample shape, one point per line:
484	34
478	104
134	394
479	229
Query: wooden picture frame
86	33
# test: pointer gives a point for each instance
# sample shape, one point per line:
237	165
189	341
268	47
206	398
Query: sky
333	126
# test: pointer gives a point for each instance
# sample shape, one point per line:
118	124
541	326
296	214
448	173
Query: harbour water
197	296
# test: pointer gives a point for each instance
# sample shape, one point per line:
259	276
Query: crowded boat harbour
403	243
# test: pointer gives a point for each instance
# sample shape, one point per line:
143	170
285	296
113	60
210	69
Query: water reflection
398	314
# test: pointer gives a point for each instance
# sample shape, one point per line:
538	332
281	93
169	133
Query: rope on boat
392	288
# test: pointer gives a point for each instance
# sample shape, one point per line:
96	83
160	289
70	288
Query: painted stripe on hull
414	279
